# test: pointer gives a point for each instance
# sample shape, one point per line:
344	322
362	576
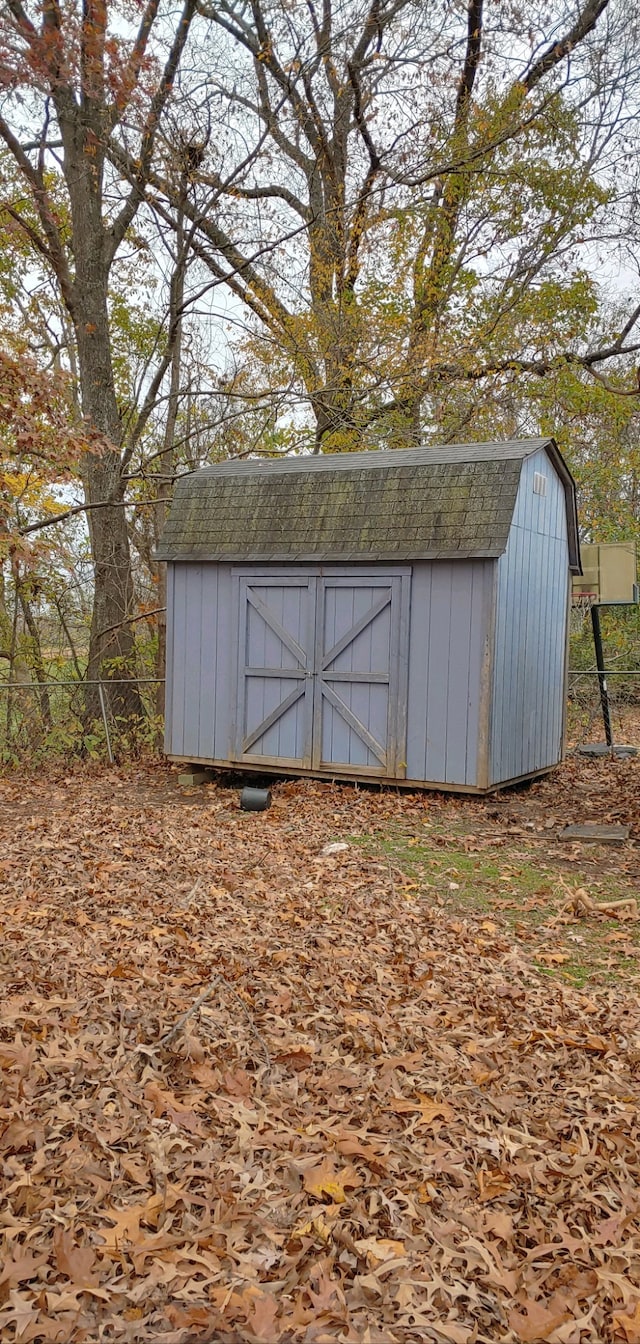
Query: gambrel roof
433	503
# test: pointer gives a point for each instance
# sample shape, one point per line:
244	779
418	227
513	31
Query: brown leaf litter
380	1123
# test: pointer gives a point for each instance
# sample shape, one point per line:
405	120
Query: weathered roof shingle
420	503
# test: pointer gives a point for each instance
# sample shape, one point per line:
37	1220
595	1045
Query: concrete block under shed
192	777
596	833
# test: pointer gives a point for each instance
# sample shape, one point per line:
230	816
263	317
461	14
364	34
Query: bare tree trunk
36	651
68	636
111	644
166	458
111	641
18	670
5	619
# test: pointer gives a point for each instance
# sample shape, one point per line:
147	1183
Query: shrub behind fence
52	719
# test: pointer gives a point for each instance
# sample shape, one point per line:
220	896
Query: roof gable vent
539	483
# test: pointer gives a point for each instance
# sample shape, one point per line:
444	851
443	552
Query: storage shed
393	615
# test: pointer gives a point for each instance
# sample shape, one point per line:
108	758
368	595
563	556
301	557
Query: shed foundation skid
331	777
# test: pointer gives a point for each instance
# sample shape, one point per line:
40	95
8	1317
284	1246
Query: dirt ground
362	1067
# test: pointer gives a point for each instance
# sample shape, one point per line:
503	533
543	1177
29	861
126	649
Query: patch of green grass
522	896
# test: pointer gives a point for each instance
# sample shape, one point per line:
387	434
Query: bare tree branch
132	71
165	86
53	248
563	46
82	508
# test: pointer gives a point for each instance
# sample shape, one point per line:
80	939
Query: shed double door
321	671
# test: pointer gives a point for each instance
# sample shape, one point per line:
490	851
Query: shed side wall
450	620
531	630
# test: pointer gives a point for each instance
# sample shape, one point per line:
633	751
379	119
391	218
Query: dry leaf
21	1267
324	1179
126	1226
379	1249
538	1323
262	1318
298	1060
428	1109
76	1262
184	1317
628	1323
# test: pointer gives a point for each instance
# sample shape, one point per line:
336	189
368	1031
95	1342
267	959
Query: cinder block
192	777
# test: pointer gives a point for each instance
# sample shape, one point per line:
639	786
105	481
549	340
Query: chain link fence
618	629
41	719
82	718
584	710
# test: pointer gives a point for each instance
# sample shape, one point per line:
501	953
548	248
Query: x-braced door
360	674
322	672
275	670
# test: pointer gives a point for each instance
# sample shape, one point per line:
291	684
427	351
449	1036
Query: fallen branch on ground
182	1021
215	983
581	903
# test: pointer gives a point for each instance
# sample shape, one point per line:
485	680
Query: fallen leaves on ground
382	1124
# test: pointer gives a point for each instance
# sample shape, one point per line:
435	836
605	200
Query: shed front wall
444	646
528	694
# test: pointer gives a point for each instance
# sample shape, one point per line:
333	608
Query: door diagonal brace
356	629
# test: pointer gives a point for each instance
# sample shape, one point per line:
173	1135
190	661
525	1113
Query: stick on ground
217	981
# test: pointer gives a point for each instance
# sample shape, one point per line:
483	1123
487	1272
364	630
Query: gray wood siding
170	660
198	665
450	617
531	629
225	648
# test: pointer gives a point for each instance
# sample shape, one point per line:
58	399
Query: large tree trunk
166	458
111	646
82	125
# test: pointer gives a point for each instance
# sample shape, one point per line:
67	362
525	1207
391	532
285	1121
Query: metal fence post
602	675
104	718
